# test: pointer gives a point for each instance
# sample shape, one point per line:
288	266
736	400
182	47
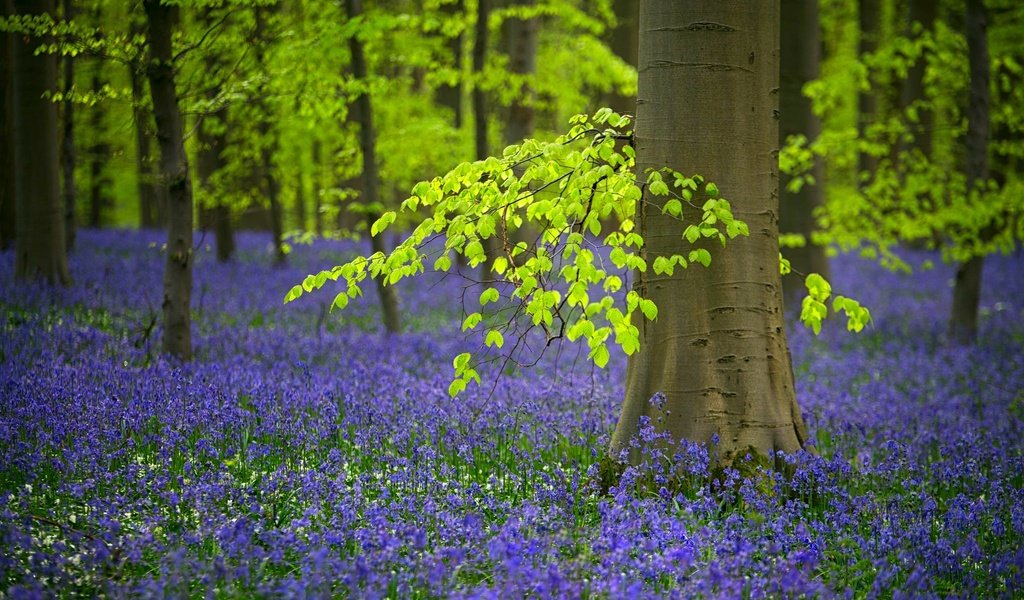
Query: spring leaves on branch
557	267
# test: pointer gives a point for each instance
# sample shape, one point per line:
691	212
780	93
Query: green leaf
456	386
293	294
649	308
712	190
471	321
460	362
381	224
494	338
701	255
599	354
489	295
340	301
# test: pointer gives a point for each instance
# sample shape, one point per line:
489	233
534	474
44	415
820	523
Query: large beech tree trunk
177	335
39	243
801	55
7	213
967	289
371	183
707	104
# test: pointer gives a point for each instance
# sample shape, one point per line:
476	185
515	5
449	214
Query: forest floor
304	454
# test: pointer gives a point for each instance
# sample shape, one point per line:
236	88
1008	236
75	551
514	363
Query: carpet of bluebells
304	454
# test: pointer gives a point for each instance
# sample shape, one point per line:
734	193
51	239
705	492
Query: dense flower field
304	454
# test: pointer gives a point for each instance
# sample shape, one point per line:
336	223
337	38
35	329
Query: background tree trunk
521	41
479	95
923	12
318	207
147	184
624	42
7	212
967	289
870	16
39	243
707	104
210	160
177	335
268	139
99	152
67	148
370	183
450	96
801	57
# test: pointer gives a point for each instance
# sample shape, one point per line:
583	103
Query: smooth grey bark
521	36
967	286
39	243
370	179
869	14
800	60
67	146
177	322
7	212
625	42
707	104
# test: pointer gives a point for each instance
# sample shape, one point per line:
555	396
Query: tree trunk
967	289
99	153
801	56
67	148
923	12
39	243
625	42
7	212
318	207
479	95
521	39
708	103
370	182
869	14
450	96
147	185
177	340
268	143
209	161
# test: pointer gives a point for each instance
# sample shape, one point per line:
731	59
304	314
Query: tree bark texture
801	56
7	212
99	154
67	147
870	16
708	103
967	286
39	243
371	183
624	42
177	334
521	37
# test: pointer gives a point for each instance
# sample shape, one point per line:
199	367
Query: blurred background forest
268	89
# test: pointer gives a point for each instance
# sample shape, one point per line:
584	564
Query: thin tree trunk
479	95
625	42
923	12
707	103
7	201
268	144
147	186
67	155
99	154
371	184
177	335
521	39
801	56
869	14
39	244
450	96
318	208
210	161
967	286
